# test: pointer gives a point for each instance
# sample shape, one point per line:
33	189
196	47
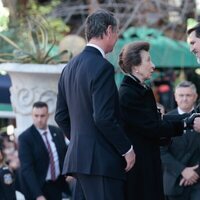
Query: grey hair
186	84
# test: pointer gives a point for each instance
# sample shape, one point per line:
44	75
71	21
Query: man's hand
196	125
130	160
184	182
189	176
69	179
189	121
41	198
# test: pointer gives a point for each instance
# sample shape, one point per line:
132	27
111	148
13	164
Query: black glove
165	141
197	109
188	121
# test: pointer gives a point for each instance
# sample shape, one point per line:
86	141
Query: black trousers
52	191
190	193
89	187
55	190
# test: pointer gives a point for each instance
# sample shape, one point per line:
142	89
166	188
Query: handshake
189	121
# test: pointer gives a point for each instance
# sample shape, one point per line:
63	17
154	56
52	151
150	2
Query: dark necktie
52	164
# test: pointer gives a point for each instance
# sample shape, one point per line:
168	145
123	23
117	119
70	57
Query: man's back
93	111
87	112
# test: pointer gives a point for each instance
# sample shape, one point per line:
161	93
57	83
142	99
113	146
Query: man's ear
109	31
196	96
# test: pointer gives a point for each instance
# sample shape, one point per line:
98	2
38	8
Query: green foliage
191	23
3	23
59	28
34	42
57	24
43	9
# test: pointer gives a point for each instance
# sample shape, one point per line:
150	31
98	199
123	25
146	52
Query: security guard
7	185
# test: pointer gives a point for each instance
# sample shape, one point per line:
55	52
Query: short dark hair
40	104
196	29
131	55
98	22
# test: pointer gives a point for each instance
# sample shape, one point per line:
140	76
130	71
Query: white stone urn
31	83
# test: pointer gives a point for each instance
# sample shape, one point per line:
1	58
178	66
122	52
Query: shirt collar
97	47
180	112
41	131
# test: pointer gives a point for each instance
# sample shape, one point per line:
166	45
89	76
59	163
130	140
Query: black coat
144	128
34	159
87	111
183	152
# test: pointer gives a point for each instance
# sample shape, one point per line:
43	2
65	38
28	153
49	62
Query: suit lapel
55	139
54	136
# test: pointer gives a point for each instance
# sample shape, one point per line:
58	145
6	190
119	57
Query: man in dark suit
181	158
99	153
42	149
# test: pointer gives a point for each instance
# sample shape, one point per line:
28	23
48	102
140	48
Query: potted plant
33	68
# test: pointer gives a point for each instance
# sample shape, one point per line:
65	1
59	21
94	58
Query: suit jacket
34	159
144	128
87	111
183	152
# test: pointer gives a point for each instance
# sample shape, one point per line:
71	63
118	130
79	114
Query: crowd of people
111	144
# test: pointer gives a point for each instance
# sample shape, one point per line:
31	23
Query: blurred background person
181	158
42	149
142	123
7	181
11	156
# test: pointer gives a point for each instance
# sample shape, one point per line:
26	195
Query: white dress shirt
97	47
54	152
180	112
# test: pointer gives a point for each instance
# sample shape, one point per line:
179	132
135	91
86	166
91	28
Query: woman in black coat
142	123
